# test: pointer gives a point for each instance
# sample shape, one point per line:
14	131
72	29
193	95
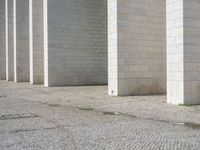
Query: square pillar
9	40
2	40
183	51
136	47
36	23
112	48
75	48
21	41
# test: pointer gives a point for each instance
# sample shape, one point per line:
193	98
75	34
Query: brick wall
141	46
192	51
76	48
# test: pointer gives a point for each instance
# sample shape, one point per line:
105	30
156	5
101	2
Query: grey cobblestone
71	118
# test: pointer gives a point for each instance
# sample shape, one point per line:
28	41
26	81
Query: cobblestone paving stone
73	118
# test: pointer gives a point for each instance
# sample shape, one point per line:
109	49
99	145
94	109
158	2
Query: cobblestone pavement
73	118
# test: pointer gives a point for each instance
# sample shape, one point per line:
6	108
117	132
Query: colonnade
136	47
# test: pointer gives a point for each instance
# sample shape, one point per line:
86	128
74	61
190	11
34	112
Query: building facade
136	47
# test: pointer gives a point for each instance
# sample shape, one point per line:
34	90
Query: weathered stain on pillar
137	47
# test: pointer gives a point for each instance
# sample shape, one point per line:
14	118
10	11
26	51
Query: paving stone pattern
33	117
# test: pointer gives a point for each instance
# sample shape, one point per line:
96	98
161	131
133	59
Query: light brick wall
76	52
192	51
183	51
9	41
141	48
2	40
36	41
21	41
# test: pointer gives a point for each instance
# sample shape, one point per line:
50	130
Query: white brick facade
137	47
183	51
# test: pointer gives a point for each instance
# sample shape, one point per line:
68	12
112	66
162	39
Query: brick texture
137	45
76	42
183	51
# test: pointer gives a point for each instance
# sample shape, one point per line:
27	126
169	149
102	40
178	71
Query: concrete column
112	48
9	41
75	42
183	51
21	41
2	40
36	41
137	47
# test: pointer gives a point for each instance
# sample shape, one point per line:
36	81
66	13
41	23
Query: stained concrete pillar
136	47
36	24
75	49
21	41
2	40
9	41
183	51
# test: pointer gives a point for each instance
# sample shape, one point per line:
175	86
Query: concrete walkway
95	98
85	118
